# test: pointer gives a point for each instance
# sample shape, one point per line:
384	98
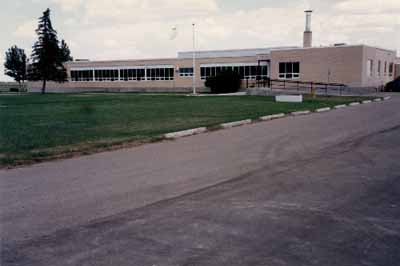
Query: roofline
380	48
287	48
242	56
340	46
71	63
236	50
120	60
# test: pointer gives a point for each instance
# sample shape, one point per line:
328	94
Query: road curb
185	133
386	98
236	124
340	106
200	130
320	110
300	113
270	117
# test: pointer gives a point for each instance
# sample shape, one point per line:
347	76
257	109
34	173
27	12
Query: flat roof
231	52
339	46
219	54
140	61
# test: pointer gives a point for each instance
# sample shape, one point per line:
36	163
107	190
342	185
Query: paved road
322	189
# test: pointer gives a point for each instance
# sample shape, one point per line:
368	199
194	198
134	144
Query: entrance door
263	73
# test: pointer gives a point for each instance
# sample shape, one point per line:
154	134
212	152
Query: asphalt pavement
321	189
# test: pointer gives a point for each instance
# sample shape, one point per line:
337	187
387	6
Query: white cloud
71	22
68	5
110	43
123	29
139	10
370	22
369	6
128	29
150	39
26	30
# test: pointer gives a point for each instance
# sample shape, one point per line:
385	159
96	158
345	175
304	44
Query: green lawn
34	127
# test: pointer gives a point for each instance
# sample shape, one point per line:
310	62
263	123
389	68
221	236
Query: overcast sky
129	29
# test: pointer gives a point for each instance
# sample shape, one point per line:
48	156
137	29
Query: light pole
194	60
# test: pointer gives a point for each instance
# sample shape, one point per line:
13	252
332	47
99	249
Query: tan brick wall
177	84
7	86
376	54
344	64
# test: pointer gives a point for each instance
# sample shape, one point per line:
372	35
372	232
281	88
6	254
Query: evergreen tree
46	54
65	52
15	64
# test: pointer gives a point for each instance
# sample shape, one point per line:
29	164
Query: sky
130	29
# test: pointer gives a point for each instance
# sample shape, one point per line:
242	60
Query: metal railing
305	86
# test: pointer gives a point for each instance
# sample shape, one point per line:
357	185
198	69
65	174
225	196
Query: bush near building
393	86
226	81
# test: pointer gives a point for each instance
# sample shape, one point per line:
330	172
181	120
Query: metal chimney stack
307	36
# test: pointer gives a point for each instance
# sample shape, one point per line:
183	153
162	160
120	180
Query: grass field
35	127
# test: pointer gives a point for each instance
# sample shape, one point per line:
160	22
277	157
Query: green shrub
226	81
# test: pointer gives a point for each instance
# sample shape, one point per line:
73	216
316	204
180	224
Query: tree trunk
44	86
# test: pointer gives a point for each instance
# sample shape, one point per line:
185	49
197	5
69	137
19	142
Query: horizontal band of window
229	64
120	67
123	80
242	78
142	80
288	77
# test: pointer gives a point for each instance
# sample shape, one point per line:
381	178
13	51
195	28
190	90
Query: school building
359	66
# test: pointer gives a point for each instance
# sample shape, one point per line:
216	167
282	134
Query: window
370	67
245	70
81	75
385	69
264	71
158	73
252	72
132	74
186	72
289	70
379	68
106	74
390	69
241	71
136	73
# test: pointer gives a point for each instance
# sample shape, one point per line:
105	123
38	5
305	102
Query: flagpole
194	60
